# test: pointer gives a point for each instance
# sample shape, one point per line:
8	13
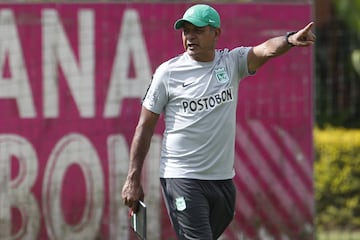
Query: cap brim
180	23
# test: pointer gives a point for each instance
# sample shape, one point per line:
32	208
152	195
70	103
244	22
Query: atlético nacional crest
221	75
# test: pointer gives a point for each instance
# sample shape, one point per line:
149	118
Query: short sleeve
239	56
156	96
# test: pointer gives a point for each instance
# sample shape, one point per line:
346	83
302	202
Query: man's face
199	42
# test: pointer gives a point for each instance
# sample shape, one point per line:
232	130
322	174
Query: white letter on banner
118	167
17	192
73	149
131	44
56	50
17	86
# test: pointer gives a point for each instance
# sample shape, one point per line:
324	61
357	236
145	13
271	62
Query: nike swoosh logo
185	84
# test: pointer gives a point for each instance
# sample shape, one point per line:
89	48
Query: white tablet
138	221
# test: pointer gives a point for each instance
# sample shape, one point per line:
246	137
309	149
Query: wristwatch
288	34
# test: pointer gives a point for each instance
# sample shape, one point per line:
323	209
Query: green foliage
338	235
337	178
337	66
349	11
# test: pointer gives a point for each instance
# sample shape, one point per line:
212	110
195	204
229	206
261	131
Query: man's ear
217	33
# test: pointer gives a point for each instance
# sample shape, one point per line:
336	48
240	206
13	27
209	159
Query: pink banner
71	82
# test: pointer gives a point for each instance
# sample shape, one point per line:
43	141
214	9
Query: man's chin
191	52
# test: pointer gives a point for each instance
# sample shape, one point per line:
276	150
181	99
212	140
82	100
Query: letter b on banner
16	193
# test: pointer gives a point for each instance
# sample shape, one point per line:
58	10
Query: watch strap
288	34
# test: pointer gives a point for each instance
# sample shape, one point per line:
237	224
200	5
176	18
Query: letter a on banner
131	45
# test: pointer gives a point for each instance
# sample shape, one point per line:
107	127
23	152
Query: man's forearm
275	47
261	53
132	190
139	149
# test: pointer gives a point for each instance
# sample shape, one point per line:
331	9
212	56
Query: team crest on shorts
180	203
221	75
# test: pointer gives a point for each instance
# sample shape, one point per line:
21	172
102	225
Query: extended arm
132	190
277	46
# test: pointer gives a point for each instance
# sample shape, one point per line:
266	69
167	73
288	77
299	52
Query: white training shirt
198	100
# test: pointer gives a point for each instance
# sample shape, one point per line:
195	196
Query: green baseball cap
200	15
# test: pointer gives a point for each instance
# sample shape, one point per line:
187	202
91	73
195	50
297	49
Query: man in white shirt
197	92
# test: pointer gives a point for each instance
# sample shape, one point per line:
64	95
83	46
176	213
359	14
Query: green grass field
338	235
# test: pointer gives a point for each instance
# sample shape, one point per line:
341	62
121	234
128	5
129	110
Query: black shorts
199	209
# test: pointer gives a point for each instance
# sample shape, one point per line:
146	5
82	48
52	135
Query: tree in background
337	63
349	11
